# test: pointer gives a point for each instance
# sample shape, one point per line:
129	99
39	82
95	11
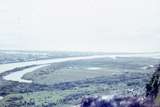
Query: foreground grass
37	99
44	98
59	98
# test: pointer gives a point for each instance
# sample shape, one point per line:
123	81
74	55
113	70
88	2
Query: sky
80	25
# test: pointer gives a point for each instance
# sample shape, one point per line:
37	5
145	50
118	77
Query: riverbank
16	76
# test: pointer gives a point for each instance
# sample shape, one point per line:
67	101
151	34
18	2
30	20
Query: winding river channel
17	76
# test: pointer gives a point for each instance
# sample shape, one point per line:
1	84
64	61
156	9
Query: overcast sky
80	25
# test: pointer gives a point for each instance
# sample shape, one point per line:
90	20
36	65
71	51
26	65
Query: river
17	76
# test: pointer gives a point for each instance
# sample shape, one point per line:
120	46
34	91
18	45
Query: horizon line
107	52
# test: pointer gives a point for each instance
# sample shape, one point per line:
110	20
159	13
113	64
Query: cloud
85	25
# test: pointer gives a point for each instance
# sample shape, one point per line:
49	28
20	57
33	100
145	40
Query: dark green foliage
152	88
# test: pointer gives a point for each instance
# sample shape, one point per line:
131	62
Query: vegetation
152	98
65	84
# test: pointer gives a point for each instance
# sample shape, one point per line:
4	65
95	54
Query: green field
68	82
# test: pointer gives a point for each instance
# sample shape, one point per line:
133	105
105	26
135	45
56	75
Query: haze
80	25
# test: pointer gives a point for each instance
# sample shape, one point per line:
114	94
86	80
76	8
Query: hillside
152	98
